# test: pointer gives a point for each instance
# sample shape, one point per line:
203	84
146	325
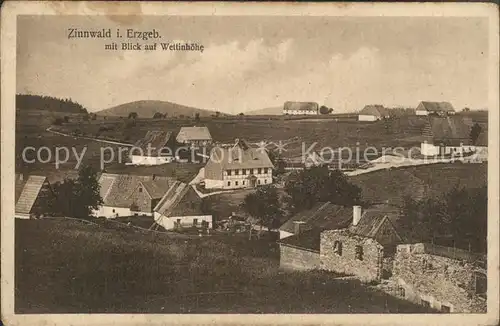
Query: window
140	189
359	252
265	170
259	170
481	284
337	248
445	308
265	180
243	182
195	222
401	292
236	183
229	172
244	171
113	210
258	181
237	172
229	183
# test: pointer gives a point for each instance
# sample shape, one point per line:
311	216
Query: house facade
425	108
300	251
157	147
30	192
300	108
240	166
180	208
373	113
128	195
446	279
194	136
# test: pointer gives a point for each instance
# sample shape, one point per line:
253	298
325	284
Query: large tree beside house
318	184
263	206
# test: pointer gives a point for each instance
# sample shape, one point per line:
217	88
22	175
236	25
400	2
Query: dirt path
88	138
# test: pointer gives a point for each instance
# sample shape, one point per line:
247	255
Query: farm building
300	251
127	195
239	166
29	192
181	207
434	108
157	147
451	135
194	136
300	108
444	278
373	113
322	216
365	247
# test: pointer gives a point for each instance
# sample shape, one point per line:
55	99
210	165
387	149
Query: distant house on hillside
240	166
373	113
194	136
29	193
181	207
447	279
450	135
157	147
434	108
300	108
127	195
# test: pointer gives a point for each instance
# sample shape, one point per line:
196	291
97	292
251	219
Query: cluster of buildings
365	243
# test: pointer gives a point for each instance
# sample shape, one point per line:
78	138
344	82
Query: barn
373	113
300	108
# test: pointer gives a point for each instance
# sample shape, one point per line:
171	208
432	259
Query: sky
254	62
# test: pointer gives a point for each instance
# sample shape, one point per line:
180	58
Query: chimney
298	226
356	214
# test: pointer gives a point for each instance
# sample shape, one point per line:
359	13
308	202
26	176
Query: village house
181	207
434	108
194	136
128	195
373	113
300	108
157	147
450	135
239	166
30	191
444	278
300	236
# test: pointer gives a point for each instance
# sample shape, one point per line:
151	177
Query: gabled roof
188	205
193	133
375	110
240	156
301	106
171	198
449	130
156	140
322	216
308	240
116	189
29	193
372	219
436	106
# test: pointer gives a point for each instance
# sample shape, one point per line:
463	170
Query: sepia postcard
249	163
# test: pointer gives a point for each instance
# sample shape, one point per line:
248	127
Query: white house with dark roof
194	136
181	207
29	191
128	195
436	108
300	108
157	147
240	166
373	113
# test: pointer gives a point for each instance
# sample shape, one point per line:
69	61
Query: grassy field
64	266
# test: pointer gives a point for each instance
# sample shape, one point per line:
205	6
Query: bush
58	121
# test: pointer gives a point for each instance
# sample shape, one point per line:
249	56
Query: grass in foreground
69	267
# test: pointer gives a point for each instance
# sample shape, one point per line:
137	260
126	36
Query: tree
318	184
217	114
466	109
475	132
241	114
264	207
158	115
278	162
325	110
133	115
197	117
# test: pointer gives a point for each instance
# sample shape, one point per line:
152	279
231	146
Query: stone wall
442	282
298	259
368	269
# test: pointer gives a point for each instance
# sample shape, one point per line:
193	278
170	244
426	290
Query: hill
277	110
147	109
25	102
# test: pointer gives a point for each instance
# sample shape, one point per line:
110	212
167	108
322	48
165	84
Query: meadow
87	268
